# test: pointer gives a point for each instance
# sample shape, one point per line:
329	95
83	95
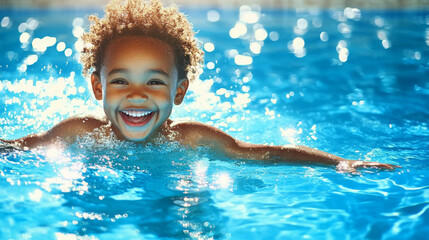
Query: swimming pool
350	82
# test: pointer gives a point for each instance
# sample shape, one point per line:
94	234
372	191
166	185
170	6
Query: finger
382	165
387	166
390	166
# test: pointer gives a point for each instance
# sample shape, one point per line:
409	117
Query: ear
97	88
181	89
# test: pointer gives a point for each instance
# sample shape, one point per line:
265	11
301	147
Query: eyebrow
151	71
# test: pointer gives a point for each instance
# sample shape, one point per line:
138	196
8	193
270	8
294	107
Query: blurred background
376	4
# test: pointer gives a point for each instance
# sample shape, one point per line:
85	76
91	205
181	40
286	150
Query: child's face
138	85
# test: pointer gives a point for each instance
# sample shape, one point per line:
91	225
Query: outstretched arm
198	134
64	132
300	155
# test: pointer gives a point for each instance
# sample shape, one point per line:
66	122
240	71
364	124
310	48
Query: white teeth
133	113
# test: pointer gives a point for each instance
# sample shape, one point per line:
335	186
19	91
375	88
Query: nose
137	98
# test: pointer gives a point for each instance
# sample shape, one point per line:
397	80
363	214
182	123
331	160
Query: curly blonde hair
151	19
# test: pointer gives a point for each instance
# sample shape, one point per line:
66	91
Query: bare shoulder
193	128
80	123
196	133
66	131
75	126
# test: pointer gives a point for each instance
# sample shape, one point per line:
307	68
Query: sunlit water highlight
351	82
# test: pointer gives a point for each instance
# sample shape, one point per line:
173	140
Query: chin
136	139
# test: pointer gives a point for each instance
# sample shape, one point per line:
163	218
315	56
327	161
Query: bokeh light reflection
297	47
261	34
379	21
255	47
213	16
61	46
238	30
249	15
243	60
352	13
24	37
343	51
209	47
274	36
6	22
427	36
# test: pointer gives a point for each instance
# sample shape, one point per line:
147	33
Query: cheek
112	96
162	97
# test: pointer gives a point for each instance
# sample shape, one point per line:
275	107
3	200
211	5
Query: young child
141	58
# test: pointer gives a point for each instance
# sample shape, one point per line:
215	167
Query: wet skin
138	84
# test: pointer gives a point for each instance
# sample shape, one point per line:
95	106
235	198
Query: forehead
134	51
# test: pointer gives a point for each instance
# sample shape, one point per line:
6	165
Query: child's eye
156	82
119	81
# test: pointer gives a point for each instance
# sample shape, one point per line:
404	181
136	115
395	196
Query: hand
352	165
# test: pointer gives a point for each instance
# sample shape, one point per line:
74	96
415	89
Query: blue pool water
350	82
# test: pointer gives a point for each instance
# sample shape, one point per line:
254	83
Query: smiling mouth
136	118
